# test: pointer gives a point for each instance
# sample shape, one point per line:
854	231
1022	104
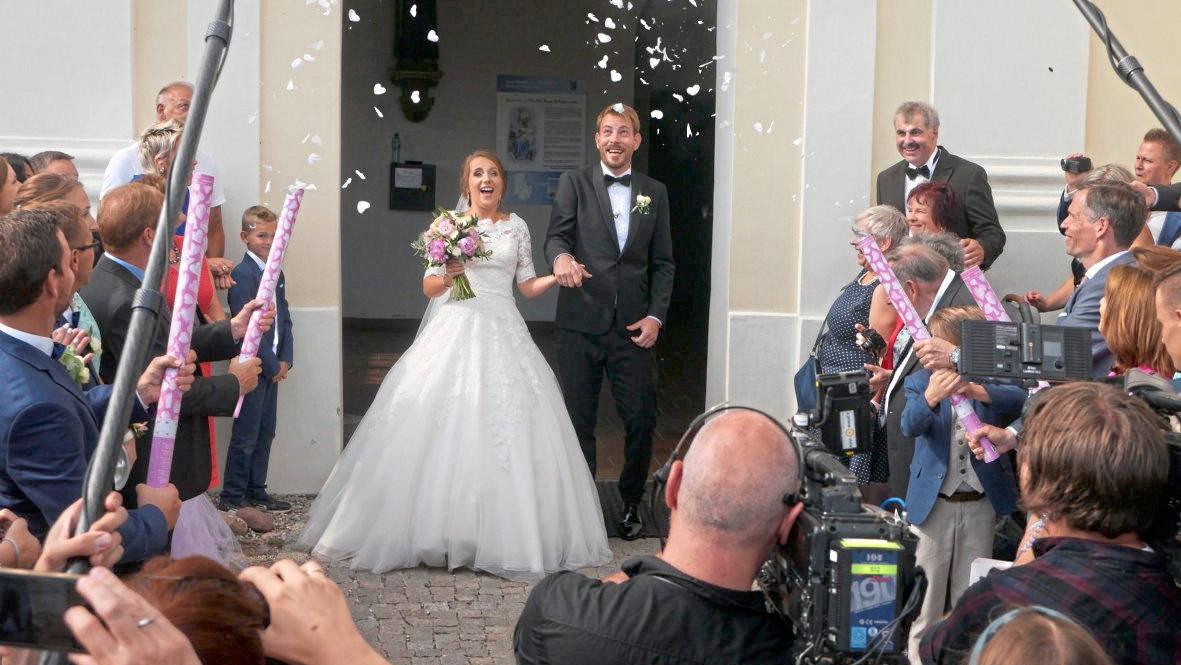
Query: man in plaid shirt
1092	459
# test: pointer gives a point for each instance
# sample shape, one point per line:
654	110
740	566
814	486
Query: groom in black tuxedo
614	223
916	135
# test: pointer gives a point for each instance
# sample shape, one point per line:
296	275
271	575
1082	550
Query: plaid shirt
1123	596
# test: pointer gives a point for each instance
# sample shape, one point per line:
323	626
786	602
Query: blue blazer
1082	311
247	276
931	430
48	431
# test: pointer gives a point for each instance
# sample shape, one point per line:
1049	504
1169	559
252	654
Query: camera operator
1093	461
693	602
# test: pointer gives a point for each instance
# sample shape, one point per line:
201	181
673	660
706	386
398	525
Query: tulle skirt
467	458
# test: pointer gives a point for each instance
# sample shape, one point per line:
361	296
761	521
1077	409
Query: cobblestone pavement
424	615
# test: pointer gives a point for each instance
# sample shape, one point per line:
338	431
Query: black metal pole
148	301
1130	70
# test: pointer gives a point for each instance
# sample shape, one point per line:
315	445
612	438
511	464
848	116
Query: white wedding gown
467	456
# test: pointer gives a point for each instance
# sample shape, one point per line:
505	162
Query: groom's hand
568	272
649	331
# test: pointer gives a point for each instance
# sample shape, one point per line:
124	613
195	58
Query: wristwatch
954	357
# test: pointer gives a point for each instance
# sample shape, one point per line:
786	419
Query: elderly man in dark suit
916	135
614	222
931	285
48	426
127	223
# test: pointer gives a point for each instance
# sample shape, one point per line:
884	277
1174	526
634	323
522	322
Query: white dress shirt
42	344
1094	270
621	201
1156	222
909	184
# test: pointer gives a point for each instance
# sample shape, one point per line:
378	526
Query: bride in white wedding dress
467	456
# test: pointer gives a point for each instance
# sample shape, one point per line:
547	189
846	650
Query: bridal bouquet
452	236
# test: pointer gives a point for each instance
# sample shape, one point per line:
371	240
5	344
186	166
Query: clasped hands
569	272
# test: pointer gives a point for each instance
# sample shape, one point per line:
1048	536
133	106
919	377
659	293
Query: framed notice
540	132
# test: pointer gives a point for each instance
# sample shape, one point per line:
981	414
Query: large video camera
1024	352
846	580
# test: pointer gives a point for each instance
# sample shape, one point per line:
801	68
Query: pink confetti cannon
181	330
918	332
270	277
984	295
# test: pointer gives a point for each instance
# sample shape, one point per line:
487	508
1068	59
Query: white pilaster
1010	83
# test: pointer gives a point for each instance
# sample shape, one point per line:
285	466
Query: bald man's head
735	475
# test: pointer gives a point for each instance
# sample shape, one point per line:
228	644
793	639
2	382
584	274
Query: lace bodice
512	256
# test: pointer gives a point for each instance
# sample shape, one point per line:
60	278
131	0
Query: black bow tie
625	180
912	172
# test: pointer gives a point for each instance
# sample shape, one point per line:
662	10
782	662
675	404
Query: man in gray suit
916	135
1100	226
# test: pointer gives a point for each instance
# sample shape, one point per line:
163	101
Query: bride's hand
454	268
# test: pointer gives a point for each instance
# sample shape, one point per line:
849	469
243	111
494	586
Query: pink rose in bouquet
452	236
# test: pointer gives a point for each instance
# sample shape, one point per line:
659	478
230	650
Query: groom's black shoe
631	525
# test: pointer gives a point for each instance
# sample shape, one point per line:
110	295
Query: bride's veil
434	304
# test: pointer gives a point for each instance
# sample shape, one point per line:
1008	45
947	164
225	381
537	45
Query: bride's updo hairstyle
465	171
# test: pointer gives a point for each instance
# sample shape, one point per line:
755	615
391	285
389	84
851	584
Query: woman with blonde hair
1036	634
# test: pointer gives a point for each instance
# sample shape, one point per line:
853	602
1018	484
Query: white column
766	348
1010	83
67	81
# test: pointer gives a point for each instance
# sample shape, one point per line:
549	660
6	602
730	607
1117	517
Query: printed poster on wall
540	132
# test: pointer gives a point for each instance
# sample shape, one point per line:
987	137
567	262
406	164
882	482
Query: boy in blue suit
250	444
953	499
49	426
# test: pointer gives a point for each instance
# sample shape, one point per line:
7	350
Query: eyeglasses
96	245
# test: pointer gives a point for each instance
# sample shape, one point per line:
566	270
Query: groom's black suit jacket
977	216
625	285
109	295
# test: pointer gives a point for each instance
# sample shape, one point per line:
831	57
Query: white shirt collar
607	171
931	161
42	344
947	279
1093	270
261	264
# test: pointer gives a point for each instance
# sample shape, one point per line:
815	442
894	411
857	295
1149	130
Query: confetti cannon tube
270	277
181	329
983	294
918	332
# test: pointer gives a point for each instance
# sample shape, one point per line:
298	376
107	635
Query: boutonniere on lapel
74	366
643	204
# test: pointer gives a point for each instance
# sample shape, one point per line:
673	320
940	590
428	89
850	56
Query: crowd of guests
69	277
1083	465
1088	474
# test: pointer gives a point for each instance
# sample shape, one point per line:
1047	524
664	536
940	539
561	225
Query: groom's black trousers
582	360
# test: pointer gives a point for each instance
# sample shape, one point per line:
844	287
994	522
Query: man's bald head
735	475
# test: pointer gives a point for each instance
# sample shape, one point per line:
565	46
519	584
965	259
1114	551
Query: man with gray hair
916	135
931	284
172	103
693	602
1100	225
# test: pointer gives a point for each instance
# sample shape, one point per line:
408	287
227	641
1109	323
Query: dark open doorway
480	40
